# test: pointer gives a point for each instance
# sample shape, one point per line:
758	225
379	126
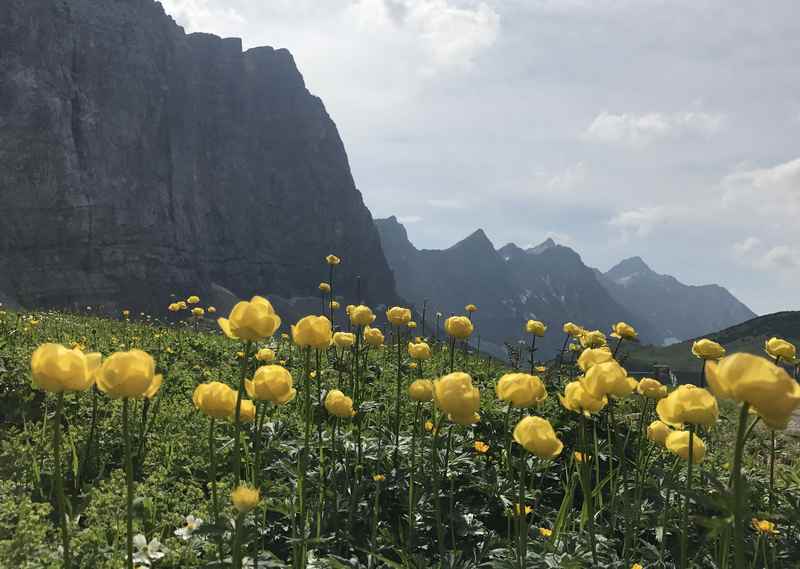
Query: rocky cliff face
136	161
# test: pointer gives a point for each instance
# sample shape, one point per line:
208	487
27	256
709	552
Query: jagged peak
510	250
476	240
542	247
629	267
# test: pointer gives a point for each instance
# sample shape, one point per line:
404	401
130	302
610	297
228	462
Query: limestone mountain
137	161
680	311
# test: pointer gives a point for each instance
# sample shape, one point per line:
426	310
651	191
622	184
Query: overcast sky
665	129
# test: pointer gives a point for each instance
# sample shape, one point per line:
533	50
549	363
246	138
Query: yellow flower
339	405
780	348
536	434
429	426
240	355
334	305
421	390
688	404
126	313
215	399
658	431
398	316
378	477
271	383
373	336
771	392
193	299
677	443
252	321
592	356
545	532
265	355
361	315
536	328
764	527
312	331
471	308
651	388
419	351
592	339
182	305
637	566
197	312
459	327
344	339
540	369
521	390
129	374
245	498
324	287
480	447
174	307
577	399
411	325
581	457
247	411
608	378
56	368
455	395
623	331
572	330
518	509
211	310
332	260
413	365
707	349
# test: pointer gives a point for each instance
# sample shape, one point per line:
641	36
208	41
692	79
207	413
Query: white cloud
406	219
771	191
448	204
638	222
746	246
569	179
640	130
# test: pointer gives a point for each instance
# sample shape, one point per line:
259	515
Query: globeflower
677	443
455	395
459	327
707	349
471	308
251	321
688	404
324	288
361	315
608	378
623	331
778	348
344	339
56	368
419	350
421	390
658	431
215	399
313	332
521	390
480	447
398	316
577	399
592	339
373	336
766	387
535	327
245	498
265	355
572	329
339	405
592	356
129	374
651	388
198	312
271	383
334	305
332	260
193	299
537	436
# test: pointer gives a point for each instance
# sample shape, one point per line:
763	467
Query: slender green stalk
687	502
237	542
88	452
303	455
771	468
237	452
396	458
533	350
586	484
738	490
212	476
128	482
436	488
412	516
522	526
59	480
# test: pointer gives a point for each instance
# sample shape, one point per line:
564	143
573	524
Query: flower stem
62	502
411	500
397	402
522	526
128	481
212	475
587	487
738	489
686	502
237	453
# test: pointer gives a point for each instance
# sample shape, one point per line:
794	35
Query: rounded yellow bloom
651	388
193	299
324	287
126	313
197	312
429	426
253	320
398	315
707	349
592	356
592	339
56	368
419	350
182	305
771	392
459	327
129	374
480	447
455	395
608	378
373	336
421	390
471	308
536	434
361	315
688	404
245	498
173	307
678	443
521	390
211	310
215	399
334	305
312	331
271	383
658	431
780	348
344	339
637	566
378	477
577	399
265	355
572	329
764	527
411	325
581	457
332	260
535	327
624	331
545	532
339	405
247	411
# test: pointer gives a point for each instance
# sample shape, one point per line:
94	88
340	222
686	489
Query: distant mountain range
551	283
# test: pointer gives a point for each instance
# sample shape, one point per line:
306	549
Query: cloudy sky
667	129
